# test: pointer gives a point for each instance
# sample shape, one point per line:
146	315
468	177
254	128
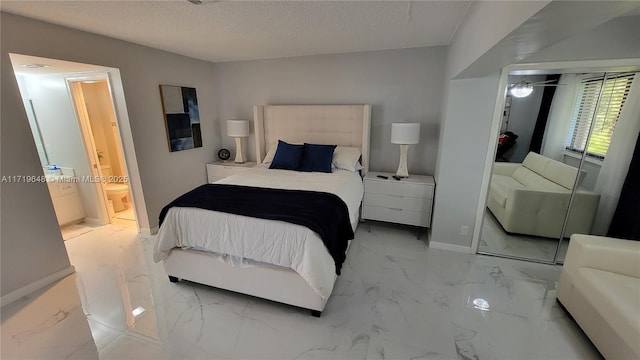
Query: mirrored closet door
605	133
564	144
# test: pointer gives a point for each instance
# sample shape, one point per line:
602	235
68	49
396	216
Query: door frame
125	142
73	87
614	65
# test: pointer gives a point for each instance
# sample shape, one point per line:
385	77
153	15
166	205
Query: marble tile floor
396	299
127	214
494	240
72	230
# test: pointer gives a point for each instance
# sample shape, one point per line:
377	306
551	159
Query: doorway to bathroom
80	127
93	103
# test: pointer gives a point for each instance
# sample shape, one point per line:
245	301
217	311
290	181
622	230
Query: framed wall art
181	117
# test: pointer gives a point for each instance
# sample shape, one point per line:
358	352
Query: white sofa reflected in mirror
532	198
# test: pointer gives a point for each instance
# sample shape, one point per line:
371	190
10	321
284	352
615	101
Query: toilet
115	192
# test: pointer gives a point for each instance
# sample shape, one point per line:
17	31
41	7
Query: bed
301	272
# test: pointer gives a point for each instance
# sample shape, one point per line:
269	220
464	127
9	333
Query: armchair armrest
603	253
502	168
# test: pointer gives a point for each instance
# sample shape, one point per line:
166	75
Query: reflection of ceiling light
481	304
137	311
35	66
521	90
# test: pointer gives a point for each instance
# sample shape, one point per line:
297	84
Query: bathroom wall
103	125
61	133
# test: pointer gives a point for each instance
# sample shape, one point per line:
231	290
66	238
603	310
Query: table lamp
238	129
404	134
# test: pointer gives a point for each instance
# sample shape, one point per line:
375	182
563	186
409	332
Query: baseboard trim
449	247
36	285
93	221
149	231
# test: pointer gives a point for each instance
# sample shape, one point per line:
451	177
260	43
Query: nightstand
221	169
406	201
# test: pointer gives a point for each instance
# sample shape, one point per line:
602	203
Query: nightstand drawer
224	170
220	170
211	179
399	188
398	202
400	216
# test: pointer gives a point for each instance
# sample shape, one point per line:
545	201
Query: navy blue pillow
317	158
287	157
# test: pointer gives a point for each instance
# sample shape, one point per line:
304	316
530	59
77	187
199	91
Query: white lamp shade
238	128
405	133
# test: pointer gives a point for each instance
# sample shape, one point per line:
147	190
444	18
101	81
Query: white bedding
297	247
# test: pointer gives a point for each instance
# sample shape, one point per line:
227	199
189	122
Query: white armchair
600	287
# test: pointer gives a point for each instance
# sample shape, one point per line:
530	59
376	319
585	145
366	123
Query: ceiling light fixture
522	90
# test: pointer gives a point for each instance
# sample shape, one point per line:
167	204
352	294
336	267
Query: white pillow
346	158
270	154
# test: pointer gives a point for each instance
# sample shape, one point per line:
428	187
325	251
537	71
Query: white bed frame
343	125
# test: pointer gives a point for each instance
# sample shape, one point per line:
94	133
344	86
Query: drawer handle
396	209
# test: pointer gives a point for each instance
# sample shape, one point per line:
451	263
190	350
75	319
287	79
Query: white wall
547	22
619	36
61	132
401	85
462	158
31	245
29	252
485	25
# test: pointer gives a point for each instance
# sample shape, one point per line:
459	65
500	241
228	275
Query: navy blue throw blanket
324	213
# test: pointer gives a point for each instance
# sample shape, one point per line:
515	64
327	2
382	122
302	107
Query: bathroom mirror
35	130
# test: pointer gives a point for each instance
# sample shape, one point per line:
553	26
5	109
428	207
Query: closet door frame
595	66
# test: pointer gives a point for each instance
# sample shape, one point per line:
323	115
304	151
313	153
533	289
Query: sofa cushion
535	162
560	173
533	181
617	298
501	186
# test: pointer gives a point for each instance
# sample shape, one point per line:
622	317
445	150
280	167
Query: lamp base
240	157
402	165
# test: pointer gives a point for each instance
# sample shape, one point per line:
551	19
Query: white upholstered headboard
343	125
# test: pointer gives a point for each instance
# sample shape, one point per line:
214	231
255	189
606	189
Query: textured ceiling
226	30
